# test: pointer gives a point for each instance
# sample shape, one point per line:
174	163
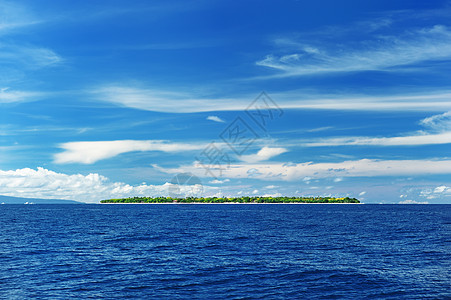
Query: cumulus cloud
441	189
91	152
265	153
439	192
215	119
91	188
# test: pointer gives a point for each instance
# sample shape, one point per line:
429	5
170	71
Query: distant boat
28	202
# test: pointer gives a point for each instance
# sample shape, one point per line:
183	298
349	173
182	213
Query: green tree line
233	200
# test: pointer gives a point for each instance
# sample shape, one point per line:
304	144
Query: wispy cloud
382	53
439	124
27	57
13	16
93	151
185	102
11	96
16	58
414	140
166	101
263	154
350	168
215	119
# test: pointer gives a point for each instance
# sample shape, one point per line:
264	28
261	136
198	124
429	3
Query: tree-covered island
233	200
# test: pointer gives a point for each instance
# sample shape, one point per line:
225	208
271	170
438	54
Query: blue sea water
225	251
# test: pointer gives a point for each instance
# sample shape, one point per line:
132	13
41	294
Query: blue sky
102	99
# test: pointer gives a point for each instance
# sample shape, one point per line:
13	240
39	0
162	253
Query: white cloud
440	123
28	57
381	53
350	168
91	152
263	154
216	181
412	202
14	16
185	102
215	119
338	179
254	192
91	188
362	193
441	189
413	140
165	101
438	192
271	186
272	195
8	96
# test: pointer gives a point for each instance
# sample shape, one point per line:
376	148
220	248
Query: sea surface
217	251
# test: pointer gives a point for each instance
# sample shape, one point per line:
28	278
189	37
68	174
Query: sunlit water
225	251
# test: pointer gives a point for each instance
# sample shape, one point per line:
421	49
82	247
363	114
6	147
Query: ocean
225	251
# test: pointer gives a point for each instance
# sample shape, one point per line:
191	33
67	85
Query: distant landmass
18	200
233	200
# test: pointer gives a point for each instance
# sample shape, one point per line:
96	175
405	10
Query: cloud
382	53
441	189
46	184
165	101
18	58
440	123
185	102
350	168
271	186
7	96
412	202
265	153
91	152
215	119
216	181
414	140
362	193
27	57
14	16
438	192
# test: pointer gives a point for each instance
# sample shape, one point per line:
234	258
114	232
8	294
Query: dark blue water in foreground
225	251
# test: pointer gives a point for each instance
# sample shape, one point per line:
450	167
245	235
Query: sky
108	99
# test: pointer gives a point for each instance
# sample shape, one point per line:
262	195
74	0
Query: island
145	200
